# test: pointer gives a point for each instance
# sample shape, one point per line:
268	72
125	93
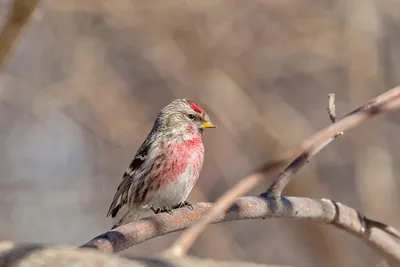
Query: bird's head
184	116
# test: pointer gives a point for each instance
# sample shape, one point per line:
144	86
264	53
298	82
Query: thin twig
304	157
245	208
388	101
332	107
332	111
17	20
223	203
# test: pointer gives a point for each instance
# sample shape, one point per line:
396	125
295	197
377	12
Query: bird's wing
122	195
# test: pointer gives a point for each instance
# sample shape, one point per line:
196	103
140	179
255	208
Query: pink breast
180	156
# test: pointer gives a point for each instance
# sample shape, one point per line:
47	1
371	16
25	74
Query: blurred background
87	78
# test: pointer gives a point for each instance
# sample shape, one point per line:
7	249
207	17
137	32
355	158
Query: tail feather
122	215
125	215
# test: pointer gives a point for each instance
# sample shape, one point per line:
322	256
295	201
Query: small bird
166	166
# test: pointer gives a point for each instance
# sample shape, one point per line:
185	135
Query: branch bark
323	211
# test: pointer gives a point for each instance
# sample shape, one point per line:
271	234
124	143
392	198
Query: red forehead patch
196	108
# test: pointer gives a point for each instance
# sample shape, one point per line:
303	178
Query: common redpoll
166	166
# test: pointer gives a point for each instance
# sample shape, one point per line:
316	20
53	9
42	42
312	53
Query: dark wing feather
122	195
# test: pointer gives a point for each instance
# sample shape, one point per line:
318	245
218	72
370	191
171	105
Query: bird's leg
161	210
155	210
169	209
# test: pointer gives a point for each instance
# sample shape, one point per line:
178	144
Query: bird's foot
186	204
161	210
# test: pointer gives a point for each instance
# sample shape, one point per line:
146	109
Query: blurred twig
363	57
33	255
18	18
323	210
388	101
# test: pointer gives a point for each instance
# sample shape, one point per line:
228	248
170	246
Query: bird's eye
192	116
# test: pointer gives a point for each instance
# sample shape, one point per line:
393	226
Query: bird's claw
161	210
169	209
187	204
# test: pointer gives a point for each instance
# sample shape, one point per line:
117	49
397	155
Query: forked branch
386	102
270	204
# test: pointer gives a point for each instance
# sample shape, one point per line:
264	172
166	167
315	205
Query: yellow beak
204	125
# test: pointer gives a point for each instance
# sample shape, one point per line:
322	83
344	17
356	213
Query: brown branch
323	211
17	20
34	255
387	101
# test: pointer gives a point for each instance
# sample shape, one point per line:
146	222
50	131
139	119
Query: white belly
171	194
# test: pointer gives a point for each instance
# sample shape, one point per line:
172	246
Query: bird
165	167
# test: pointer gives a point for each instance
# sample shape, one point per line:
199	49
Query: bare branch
388	101
304	158
244	208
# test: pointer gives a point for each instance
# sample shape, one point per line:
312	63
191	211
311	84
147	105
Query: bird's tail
126	215
123	216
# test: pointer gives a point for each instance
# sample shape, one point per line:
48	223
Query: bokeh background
87	78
